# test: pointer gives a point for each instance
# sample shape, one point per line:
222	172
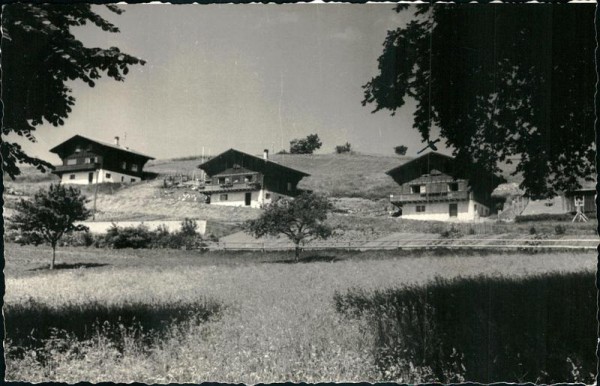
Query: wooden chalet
235	178
89	161
434	187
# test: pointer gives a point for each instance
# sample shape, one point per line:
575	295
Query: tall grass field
123	316
539	329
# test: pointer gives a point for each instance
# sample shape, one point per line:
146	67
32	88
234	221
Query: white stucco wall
440	211
81	178
259	198
237	199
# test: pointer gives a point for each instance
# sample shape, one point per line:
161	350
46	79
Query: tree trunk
53	256
297	252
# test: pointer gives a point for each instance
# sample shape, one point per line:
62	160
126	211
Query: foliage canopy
51	214
40	55
306	145
301	219
501	83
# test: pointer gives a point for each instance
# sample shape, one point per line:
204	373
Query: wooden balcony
429	197
75	168
230	187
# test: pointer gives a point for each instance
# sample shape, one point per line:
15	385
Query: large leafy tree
500	82
50	215
40	55
301	219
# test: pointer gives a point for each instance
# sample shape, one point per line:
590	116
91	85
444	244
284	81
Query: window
236	179
289	186
453	187
107	175
268	196
133	180
134	167
72	177
221	180
77	149
422	189
91	160
124	165
420	208
414	189
222	197
122	179
247	178
72	161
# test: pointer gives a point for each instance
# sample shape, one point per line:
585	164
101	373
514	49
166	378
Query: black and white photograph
301	192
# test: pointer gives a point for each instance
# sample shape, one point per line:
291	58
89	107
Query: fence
447	243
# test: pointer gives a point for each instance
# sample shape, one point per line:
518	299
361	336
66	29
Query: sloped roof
234	170
58	147
412	162
246	160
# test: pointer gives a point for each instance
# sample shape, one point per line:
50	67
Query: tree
400	150
305	145
51	214
301	219
39	56
340	149
501	83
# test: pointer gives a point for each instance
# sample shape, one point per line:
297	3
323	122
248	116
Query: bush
142	237
343	148
129	237
452	233
79	239
560	229
400	150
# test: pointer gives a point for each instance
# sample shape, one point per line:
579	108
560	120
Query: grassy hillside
338	175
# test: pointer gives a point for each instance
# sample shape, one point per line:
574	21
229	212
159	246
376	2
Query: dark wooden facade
234	170
80	154
437	177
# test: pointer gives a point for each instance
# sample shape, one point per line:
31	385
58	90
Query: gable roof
247	161
56	149
433	163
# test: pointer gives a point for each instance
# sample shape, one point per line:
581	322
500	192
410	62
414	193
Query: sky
248	77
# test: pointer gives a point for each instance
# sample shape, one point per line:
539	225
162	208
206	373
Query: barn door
248	198
90	177
453	210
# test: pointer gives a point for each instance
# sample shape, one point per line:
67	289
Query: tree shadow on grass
35	325
308	259
46	267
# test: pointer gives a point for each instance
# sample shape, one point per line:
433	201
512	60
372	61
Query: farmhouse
235	178
88	161
433	187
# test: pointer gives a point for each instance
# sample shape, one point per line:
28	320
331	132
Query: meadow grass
539	329
277	321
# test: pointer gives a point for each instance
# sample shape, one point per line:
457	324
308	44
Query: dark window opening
453	187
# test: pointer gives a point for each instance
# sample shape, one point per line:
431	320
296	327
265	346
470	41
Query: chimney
266	154
117	141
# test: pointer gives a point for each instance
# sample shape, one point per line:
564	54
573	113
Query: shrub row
128	237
